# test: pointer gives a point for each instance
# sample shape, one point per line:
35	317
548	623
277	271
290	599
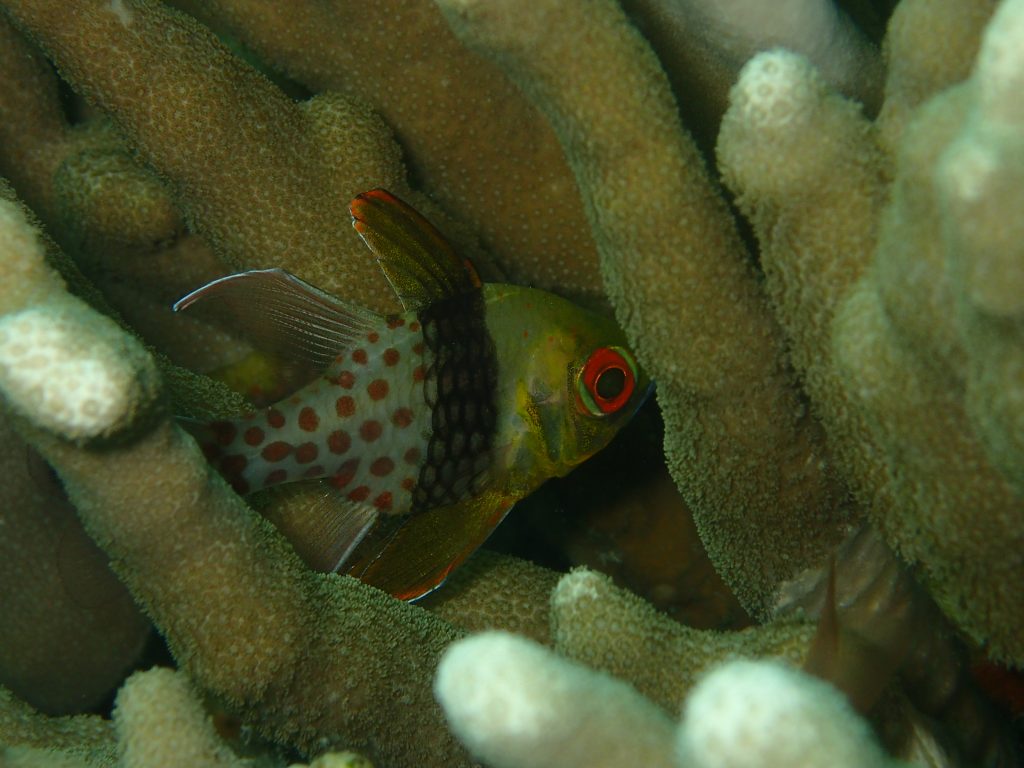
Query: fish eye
610	383
606	381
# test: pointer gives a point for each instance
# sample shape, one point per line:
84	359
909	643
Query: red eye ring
606	381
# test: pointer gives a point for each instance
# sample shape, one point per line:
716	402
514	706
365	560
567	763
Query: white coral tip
63	377
759	714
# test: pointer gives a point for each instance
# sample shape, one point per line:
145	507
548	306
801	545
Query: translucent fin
324	531
416	259
284	316
823	656
854	663
416	558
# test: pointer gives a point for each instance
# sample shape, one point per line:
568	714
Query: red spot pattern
382	467
345	379
377	389
339	441
306	453
301	445
370	430
402	417
308	420
275	477
276	451
345	473
210	451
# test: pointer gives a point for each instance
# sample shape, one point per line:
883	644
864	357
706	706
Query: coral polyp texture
808	226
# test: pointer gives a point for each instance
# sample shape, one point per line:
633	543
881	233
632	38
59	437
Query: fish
426	426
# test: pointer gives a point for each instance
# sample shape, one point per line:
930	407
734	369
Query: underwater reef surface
808	224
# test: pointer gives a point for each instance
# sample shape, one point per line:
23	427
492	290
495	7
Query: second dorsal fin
283	316
416	259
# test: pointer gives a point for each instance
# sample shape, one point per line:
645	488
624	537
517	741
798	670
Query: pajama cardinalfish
427	426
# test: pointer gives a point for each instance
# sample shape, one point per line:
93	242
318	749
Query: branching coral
863	365
896	355
518	706
265	179
814	185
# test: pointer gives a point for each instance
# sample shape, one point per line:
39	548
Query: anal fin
416	558
322	526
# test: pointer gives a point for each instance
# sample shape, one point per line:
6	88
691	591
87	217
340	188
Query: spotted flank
424	427
364	425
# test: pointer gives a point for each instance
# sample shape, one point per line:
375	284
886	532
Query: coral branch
658	656
930	45
703	44
760	714
492	685
69	630
886	324
265	179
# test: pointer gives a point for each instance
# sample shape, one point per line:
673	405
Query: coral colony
807	226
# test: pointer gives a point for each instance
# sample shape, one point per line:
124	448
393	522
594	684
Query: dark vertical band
461	392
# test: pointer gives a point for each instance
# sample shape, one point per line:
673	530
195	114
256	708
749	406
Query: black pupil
610	383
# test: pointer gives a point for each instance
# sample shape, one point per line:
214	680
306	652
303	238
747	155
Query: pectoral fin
417	557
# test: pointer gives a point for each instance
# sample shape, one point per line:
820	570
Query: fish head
567	381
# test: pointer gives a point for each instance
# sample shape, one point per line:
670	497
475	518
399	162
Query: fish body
427	426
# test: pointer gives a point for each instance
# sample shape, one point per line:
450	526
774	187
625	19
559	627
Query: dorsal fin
283	315
416	259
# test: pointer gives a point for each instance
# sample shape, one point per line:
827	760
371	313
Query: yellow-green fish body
428	426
